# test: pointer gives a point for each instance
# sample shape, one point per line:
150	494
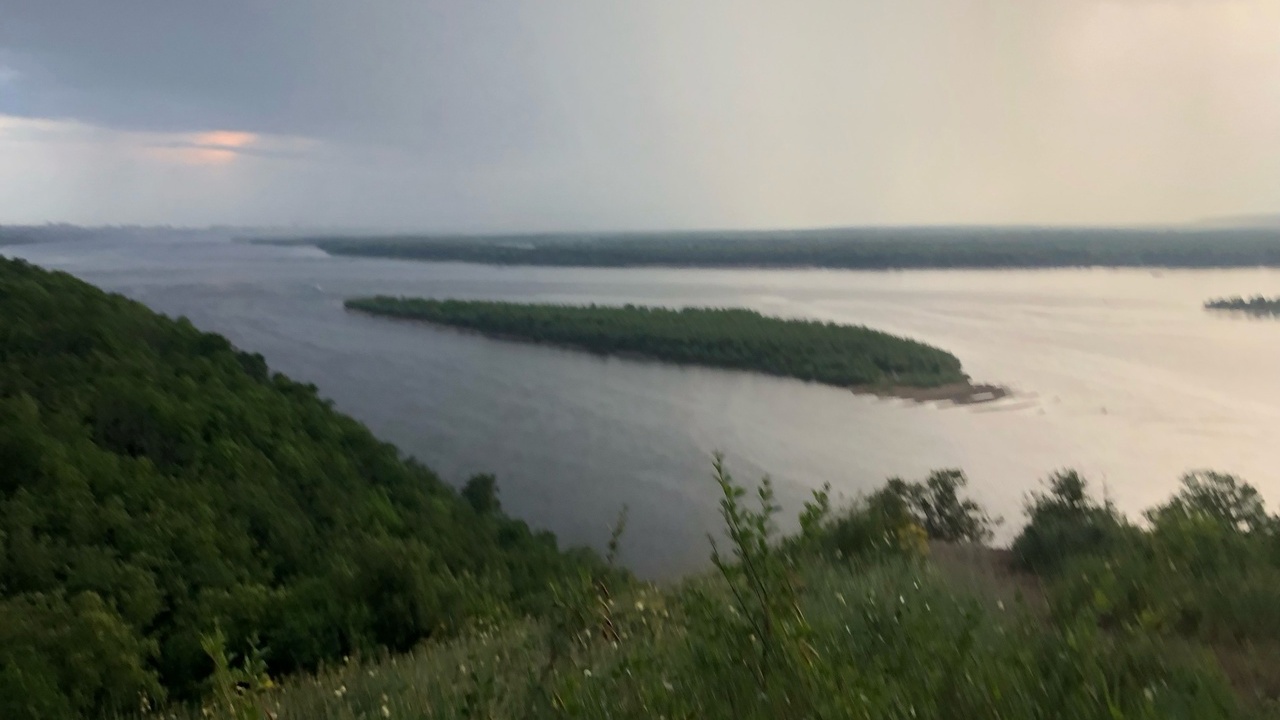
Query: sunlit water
1118	373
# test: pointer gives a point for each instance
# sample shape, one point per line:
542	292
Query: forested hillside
840	355
159	490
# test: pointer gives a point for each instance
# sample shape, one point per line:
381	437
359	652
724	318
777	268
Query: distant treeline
841	355
1256	305
870	249
61	232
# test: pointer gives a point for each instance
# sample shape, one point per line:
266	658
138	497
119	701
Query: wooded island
845	356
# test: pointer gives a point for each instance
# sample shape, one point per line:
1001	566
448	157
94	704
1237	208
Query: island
845	356
1256	305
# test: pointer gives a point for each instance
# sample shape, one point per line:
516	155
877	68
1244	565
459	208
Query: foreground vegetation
164	500
184	534
850	248
884	609
840	355
1256	305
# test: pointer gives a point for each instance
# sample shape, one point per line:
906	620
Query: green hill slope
157	485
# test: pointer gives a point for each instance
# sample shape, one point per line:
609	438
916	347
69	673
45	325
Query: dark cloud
591	114
458	78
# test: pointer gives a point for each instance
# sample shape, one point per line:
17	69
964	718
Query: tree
481	493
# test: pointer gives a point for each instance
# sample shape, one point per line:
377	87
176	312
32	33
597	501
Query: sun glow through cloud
215	147
225	138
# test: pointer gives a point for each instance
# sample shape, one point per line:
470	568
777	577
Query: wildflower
667	684
640	606
386	711
586	672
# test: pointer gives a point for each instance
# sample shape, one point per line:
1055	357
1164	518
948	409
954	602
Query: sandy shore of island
959	393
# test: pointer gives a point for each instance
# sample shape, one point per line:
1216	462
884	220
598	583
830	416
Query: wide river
1118	373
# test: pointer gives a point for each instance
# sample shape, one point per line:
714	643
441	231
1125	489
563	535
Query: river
1117	373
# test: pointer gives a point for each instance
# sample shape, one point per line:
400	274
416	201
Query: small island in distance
854	357
1256	305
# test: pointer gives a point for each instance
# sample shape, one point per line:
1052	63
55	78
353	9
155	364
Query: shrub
1064	523
1218	499
900	518
1207	567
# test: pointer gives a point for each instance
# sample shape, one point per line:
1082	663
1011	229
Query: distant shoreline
842	249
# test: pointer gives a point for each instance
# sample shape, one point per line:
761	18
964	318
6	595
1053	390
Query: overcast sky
591	114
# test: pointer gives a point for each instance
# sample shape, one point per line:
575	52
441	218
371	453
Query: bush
1206	568
1065	523
900	518
1218	499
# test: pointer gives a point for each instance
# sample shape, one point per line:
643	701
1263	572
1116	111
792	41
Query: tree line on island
840	355
1256	305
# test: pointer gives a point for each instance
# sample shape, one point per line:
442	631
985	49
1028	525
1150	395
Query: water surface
1118	373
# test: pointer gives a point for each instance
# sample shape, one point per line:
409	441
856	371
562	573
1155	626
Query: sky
545	115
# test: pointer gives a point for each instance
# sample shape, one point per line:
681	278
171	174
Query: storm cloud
563	114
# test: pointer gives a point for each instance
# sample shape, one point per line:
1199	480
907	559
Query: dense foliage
1256	305
840	355
852	248
859	625
158	487
1207	566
